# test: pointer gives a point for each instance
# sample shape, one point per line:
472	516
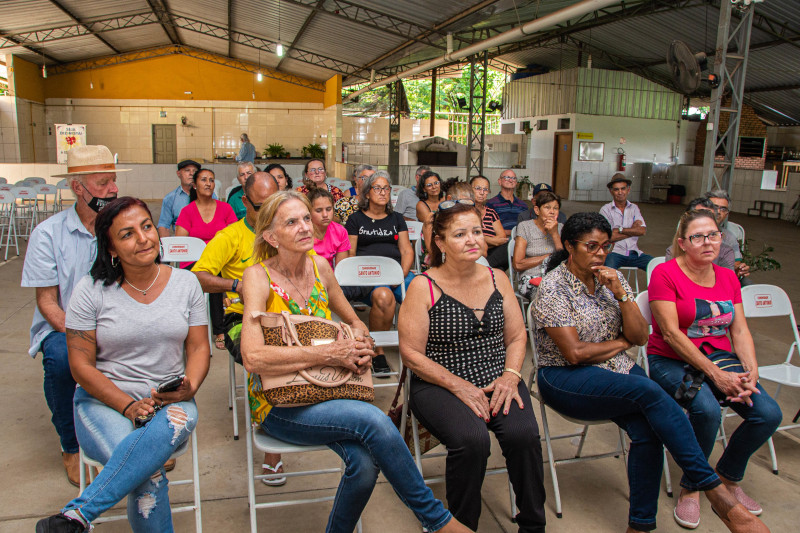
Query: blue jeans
133	460
59	387
368	442
760	421
633	259
649	416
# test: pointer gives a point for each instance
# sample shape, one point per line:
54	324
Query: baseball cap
187	162
539	187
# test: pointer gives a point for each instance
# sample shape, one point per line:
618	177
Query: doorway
562	164
165	148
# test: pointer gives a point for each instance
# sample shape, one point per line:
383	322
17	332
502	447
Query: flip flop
219	342
276	481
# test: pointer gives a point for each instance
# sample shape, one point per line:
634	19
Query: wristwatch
625	298
620	229
235	285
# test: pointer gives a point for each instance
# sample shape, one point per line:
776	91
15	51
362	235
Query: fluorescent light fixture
279	50
44	71
260	77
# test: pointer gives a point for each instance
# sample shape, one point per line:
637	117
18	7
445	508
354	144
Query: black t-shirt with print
377	236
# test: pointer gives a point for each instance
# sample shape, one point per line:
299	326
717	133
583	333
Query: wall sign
68	136
584	135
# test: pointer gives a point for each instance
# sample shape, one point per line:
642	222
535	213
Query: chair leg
623	449
234	405
666	475
251	482
198	518
513	498
583	440
551	461
773	456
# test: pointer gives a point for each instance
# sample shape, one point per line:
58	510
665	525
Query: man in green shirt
243	171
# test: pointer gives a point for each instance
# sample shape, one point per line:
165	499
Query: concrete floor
594	494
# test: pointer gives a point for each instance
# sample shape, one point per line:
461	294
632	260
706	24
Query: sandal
219	342
275	481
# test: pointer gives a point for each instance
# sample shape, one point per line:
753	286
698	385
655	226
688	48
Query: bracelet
235	285
513	372
127	406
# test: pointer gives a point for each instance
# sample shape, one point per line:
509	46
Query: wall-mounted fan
686	68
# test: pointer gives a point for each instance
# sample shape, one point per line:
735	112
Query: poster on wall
68	136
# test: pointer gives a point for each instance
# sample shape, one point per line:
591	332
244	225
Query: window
752	146
563	123
541	125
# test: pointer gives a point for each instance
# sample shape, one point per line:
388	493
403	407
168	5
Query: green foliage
275	151
763	261
313	150
523	187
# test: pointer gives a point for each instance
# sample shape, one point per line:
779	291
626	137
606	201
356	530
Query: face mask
96	204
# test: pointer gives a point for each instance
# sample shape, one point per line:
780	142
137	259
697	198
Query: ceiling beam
45	35
13	42
69	13
230	28
162	12
300	32
773	88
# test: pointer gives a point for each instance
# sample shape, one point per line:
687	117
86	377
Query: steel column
395	99
477	113
731	69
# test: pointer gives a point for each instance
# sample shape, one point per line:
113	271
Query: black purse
693	378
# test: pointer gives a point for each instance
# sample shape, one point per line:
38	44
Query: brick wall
749	126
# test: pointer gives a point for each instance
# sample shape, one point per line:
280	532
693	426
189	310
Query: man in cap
176	200
60	252
627	225
530	214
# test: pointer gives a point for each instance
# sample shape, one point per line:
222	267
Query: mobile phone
170	384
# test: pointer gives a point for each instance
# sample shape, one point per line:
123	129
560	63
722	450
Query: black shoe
380	366
58	523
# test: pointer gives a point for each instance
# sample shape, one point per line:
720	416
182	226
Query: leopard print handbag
314	384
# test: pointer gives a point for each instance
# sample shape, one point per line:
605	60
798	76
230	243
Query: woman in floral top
585	320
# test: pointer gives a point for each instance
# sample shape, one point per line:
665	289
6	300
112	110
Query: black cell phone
170	384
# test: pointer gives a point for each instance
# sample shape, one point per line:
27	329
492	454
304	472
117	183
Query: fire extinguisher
621	160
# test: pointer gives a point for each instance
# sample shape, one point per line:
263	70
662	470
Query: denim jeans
59	388
649	416
368	442
760	421
133	460
633	259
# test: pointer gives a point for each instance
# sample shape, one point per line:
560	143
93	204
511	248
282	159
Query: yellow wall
333	91
26	80
169	77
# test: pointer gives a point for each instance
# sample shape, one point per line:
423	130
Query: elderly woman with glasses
697	306
376	229
585	318
314	175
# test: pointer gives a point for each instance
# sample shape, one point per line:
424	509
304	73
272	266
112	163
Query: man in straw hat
60	252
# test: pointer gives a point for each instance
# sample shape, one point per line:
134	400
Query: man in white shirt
627	225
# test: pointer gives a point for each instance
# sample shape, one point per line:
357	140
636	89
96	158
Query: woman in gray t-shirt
128	325
536	240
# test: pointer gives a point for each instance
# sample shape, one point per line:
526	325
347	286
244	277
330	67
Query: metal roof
353	37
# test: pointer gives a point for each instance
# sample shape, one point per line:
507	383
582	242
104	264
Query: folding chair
417	255
551	460
736	229
512	275
8	223
374	271
771	301
26	209
43	191
3	180
654	262
61	187
256	438
414	230
632	271
228	192
94	466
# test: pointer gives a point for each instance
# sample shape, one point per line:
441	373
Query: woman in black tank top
463	337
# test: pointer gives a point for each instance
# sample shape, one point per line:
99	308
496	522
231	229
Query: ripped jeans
133	460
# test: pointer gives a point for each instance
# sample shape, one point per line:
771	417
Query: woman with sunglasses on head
314	175
585	318
131	324
376	229
463	337
536	240
696	306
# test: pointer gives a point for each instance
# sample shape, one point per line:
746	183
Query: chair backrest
228	192
483	261
181	249
417	253
21	183
370	271
736	229
25	192
414	230
5	187
764	301
532	339
511	243
3	180
7	197
36	180
63	184
45	188
644	306
654	262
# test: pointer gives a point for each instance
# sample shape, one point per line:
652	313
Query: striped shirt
507	211
488	222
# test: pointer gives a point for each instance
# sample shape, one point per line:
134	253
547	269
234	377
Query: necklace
144	292
305	298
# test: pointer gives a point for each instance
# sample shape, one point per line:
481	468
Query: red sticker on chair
763	300
178	249
369	271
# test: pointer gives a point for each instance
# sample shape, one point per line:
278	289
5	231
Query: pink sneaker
749	503
687	513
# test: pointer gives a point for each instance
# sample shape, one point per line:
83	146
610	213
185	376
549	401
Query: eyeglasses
698	238
481	189
723	209
509	178
432	184
316	170
593	246
448	204
378	190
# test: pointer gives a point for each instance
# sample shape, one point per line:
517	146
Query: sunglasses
593	247
448	204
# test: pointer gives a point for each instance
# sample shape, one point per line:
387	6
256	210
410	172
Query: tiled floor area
594	494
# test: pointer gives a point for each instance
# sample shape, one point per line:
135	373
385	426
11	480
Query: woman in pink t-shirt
697	304
330	238
203	217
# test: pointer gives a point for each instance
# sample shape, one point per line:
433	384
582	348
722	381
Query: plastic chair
5	187
483	261
771	301
417	255
258	439
632	271
228	192
26	209
654	262
8	223
94	465
61	187
736	229
551	460
512	275
43	191
414	230
36	180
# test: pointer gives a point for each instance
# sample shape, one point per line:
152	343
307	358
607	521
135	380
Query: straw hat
90	159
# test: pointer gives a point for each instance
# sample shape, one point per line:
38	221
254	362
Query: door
562	164
165	148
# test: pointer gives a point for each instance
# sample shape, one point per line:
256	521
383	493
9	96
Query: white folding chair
628	272
228	192
26	209
5	187
736	229
414	230
256	438
374	271
36	180
3	180
483	261
61	187
43	192
87	463
8	223
771	301
654	262
512	275
417	255
621	450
